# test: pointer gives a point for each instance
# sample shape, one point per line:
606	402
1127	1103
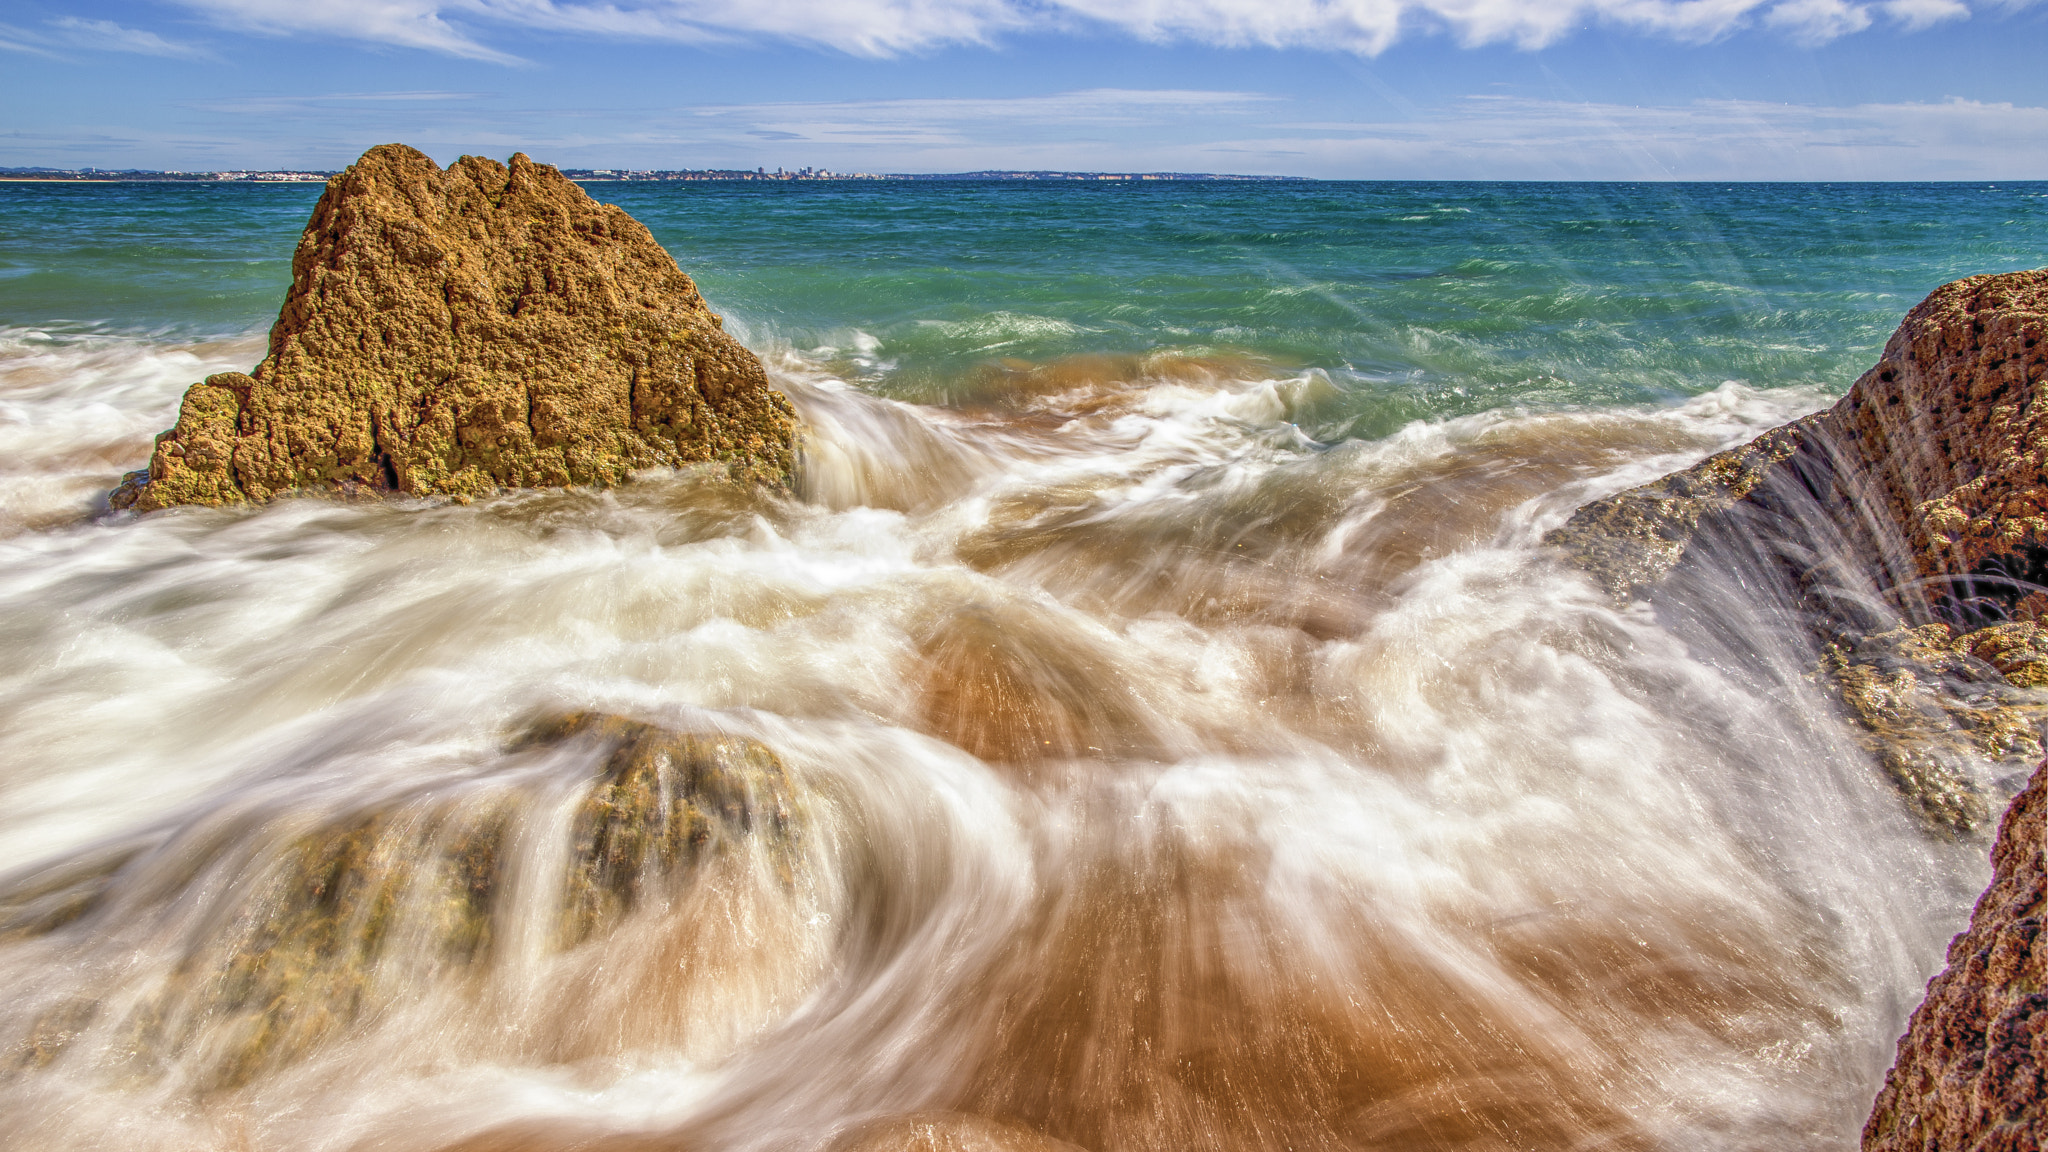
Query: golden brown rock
1936	460
454	332
1969	1072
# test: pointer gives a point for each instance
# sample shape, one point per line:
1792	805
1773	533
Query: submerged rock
1969	1073
329	922
455	332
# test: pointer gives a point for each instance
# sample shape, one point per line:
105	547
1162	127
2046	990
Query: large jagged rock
455	332
1936	460
1969	1073
1911	517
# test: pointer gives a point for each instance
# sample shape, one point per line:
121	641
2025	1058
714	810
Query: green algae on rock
456	332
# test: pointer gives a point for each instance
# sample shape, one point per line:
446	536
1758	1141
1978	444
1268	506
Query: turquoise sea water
1187	739
1418	299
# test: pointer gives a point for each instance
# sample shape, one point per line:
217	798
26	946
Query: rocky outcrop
1910	516
456	332
1969	1073
1912	521
1935	463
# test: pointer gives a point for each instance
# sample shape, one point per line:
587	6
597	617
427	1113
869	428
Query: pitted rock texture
456	332
1969	1072
1920	496
1927	703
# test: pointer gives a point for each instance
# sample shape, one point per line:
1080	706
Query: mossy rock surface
461	331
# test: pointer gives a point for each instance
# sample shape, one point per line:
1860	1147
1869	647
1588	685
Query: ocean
1181	737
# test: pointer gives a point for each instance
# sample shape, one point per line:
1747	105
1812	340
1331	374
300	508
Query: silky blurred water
1183	738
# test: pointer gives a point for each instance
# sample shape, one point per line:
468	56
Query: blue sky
1350	89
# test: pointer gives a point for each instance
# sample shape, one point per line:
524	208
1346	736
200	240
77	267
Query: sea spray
1162	773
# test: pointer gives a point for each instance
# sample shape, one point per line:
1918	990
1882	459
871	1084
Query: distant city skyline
1344	89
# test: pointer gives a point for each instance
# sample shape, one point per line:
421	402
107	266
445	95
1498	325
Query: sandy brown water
1141	774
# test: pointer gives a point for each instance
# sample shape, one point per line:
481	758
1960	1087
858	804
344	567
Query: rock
1968	1077
456	332
1928	704
330	921
1914	506
1935	464
665	800
1631	541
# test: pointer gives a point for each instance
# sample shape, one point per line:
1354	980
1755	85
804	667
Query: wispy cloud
280	105
395	23
1513	138
891	27
952	120
93	36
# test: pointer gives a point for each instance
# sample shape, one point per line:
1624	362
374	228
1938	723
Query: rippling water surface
1153	723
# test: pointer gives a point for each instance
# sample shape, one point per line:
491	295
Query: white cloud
1818	21
1503	138
891	27
1918	14
107	36
398	23
946	123
93	36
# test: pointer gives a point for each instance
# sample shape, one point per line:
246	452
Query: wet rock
310	949
1934	465
325	923
665	801
1916	499
1929	706
1969	1073
1631	541
455	332
2019	650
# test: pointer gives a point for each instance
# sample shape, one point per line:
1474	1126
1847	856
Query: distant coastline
602	175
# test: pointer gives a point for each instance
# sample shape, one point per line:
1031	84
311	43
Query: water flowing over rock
1913	519
330	922
1910	517
1933	461
455	332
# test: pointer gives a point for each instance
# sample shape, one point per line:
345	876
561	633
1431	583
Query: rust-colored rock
1969	1072
1936	459
455	332
1916	504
